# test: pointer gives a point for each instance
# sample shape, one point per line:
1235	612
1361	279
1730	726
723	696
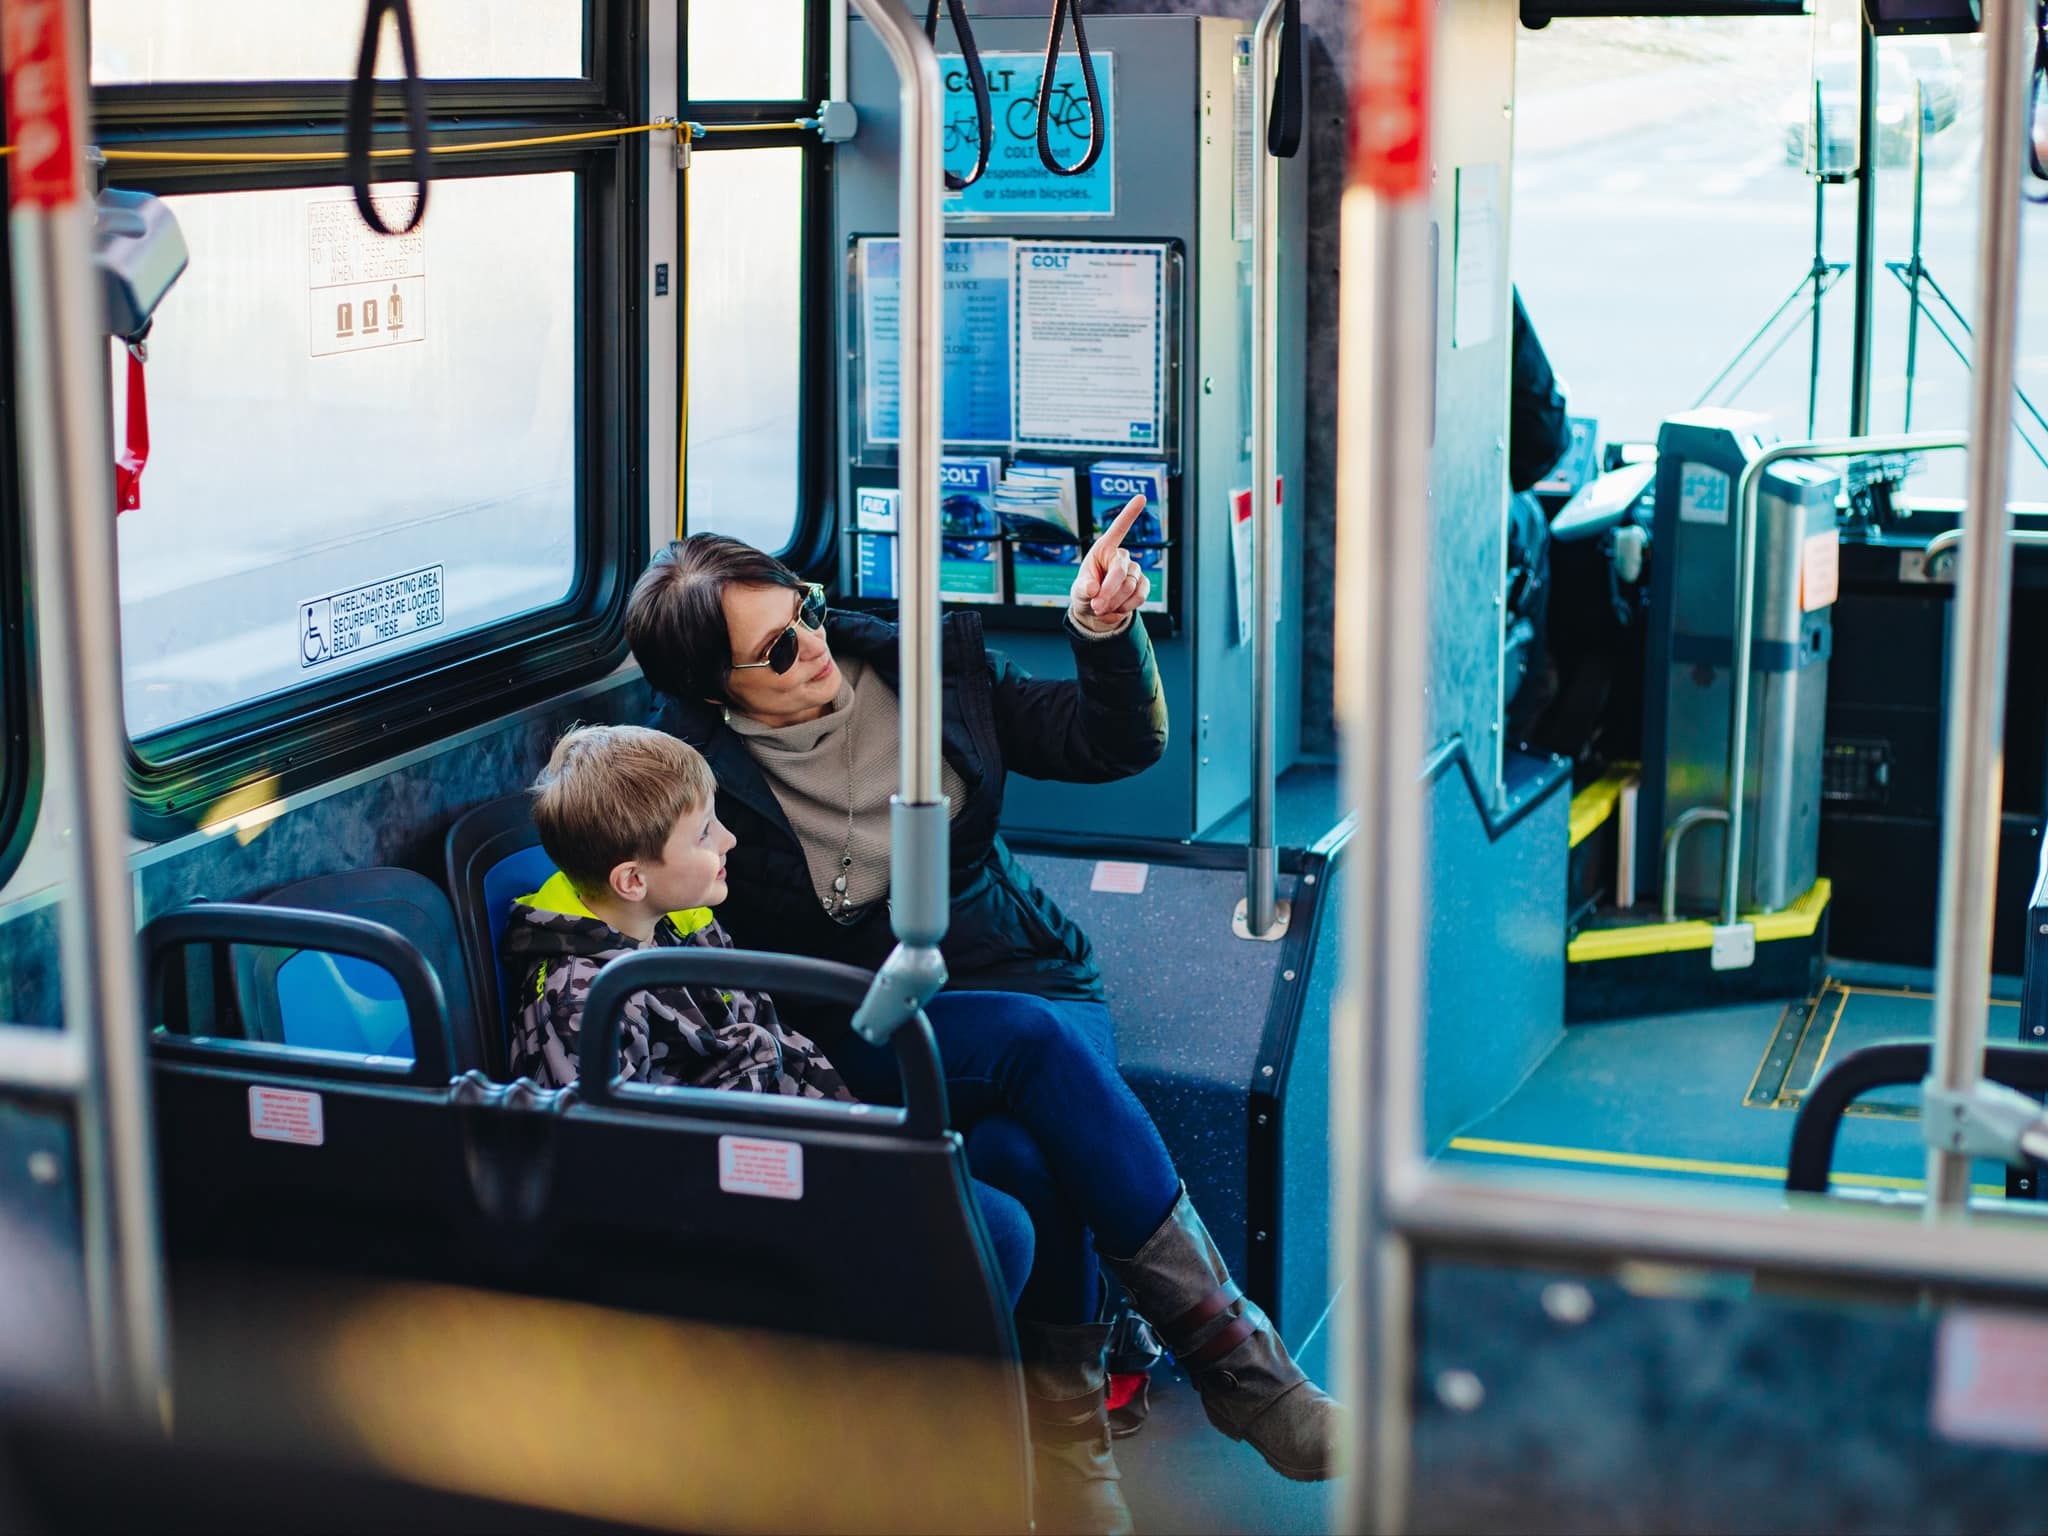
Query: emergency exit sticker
364	290
1991	1379
285	1114
749	1165
1820	570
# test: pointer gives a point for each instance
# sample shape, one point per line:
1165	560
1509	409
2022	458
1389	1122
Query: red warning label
1390	96
285	1114
748	1165
44	169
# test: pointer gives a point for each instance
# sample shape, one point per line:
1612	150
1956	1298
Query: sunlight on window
145	42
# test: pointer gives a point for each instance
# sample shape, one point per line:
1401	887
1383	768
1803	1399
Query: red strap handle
129	462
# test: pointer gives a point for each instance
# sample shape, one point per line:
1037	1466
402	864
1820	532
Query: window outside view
1663	213
149	42
357	446
743	280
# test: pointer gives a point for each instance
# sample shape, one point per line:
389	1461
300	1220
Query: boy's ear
628	881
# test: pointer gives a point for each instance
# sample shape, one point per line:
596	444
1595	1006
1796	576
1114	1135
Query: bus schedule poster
1062	346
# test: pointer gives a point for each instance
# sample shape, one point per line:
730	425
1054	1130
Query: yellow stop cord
171	156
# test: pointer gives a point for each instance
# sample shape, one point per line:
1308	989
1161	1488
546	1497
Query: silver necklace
837	905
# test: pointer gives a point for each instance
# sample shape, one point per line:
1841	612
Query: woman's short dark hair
675	621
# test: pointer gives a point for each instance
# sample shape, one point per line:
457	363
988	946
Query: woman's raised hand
1111	585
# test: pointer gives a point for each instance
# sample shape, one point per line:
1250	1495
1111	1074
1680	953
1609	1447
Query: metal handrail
1949	538
60	368
1974	739
1747	494
920	904
1262	867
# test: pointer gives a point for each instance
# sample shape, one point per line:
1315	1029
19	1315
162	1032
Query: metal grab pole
1974	740
1387	333
1748	492
919	895
1262	871
60	365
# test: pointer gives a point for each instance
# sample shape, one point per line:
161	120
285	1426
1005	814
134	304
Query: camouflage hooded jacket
697	1037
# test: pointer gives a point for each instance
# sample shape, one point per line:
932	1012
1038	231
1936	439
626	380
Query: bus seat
713	1226
338	1002
494	857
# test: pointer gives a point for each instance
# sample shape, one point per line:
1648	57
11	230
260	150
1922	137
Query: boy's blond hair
615	792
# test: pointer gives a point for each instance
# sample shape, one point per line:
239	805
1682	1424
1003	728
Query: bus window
1944	77
745	344
147	42
1662	214
342	471
751	52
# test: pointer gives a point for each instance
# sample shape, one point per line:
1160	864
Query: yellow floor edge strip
1797	921
1649	1163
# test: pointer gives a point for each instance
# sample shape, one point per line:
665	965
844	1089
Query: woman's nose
810	644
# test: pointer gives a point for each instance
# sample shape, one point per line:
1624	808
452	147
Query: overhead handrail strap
1098	121
977	82
1290	95
2037	102
362	111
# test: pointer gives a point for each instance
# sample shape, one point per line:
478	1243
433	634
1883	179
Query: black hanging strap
1290	94
2037	103
362	93
977	81
1098	121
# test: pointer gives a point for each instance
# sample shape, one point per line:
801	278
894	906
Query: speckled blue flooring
1691	1096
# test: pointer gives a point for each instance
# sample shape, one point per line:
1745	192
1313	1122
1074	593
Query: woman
802	736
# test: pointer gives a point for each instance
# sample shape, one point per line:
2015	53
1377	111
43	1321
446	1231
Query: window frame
317	731
811	549
21	755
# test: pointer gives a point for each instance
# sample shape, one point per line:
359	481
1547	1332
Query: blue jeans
1009	1236
1034	1087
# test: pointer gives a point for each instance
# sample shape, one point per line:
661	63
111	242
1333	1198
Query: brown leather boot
1251	1388
1078	1490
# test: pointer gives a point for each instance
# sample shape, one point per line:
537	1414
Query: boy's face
691	870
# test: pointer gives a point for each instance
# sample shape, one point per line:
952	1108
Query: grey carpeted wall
1325	22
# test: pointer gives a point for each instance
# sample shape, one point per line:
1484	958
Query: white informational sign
751	1165
1820	570
1477	298
881	337
342	623
1702	495
1090	346
1241	555
1243	143
286	1114
363	290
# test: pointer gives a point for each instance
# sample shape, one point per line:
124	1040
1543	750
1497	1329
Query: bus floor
1711	1095
1182	1476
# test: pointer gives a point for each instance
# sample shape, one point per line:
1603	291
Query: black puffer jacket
1006	935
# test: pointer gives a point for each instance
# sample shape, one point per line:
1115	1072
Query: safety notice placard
342	623
1017	183
364	290
1091	345
976	340
753	1165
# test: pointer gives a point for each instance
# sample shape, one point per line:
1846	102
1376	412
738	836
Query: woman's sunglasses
782	653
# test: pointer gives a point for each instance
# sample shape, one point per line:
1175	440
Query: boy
626	815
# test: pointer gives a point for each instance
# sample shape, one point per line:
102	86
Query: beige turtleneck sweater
845	760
